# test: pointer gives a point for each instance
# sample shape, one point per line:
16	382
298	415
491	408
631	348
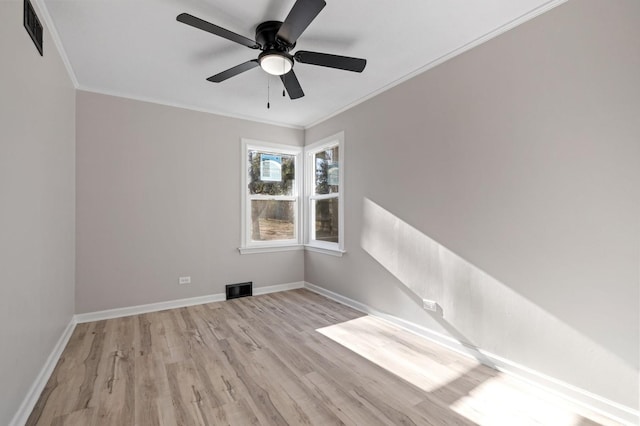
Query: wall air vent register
33	25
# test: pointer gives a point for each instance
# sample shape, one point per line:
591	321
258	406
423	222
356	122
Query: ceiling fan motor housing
266	37
274	58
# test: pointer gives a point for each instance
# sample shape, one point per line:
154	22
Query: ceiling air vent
33	25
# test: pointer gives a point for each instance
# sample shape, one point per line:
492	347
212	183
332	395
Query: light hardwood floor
285	358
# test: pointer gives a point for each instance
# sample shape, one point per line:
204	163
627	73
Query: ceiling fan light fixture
275	63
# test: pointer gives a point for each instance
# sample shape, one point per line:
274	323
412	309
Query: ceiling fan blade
299	18
332	61
292	85
195	22
232	72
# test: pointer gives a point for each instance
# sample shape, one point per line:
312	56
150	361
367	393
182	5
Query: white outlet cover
430	305
184	280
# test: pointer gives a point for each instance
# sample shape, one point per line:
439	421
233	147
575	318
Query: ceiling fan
276	39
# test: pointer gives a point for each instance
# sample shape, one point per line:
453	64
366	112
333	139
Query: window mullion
324	196
259	197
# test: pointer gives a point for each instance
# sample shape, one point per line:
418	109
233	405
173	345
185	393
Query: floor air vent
239	290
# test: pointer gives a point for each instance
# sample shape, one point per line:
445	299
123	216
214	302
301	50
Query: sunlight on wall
486	313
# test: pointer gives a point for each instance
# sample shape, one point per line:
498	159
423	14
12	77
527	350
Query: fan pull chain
268	92
284	77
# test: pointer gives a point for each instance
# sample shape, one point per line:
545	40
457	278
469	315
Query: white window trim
271	249
334	249
246	245
330	251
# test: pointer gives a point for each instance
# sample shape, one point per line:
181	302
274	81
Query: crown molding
163	102
453	53
53	32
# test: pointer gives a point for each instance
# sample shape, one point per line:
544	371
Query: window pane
327	171
271	173
327	220
272	220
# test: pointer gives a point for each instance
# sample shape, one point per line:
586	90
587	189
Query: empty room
320	212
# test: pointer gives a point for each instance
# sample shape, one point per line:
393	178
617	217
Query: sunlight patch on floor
462	385
362	337
498	402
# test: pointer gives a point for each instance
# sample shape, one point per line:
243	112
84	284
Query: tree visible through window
273	201
327	170
324	171
270	200
272	185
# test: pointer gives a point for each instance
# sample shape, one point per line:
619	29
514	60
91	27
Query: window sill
293	247
270	249
324	250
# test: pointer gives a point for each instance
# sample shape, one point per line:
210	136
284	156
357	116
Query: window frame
247	245
336	249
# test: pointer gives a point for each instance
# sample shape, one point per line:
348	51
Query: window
324	174
270	203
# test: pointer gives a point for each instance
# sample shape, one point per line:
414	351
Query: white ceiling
137	49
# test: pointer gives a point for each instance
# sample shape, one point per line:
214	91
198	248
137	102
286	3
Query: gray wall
158	197
504	185
37	151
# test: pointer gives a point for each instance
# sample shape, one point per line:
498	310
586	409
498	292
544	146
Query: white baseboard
30	400
276	288
178	303
618	412
596	403
143	309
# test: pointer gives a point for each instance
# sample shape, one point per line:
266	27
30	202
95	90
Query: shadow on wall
479	311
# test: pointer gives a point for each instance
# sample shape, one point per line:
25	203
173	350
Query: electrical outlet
184	280
430	305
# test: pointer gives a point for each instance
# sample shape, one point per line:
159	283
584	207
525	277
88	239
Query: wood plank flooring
285	358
